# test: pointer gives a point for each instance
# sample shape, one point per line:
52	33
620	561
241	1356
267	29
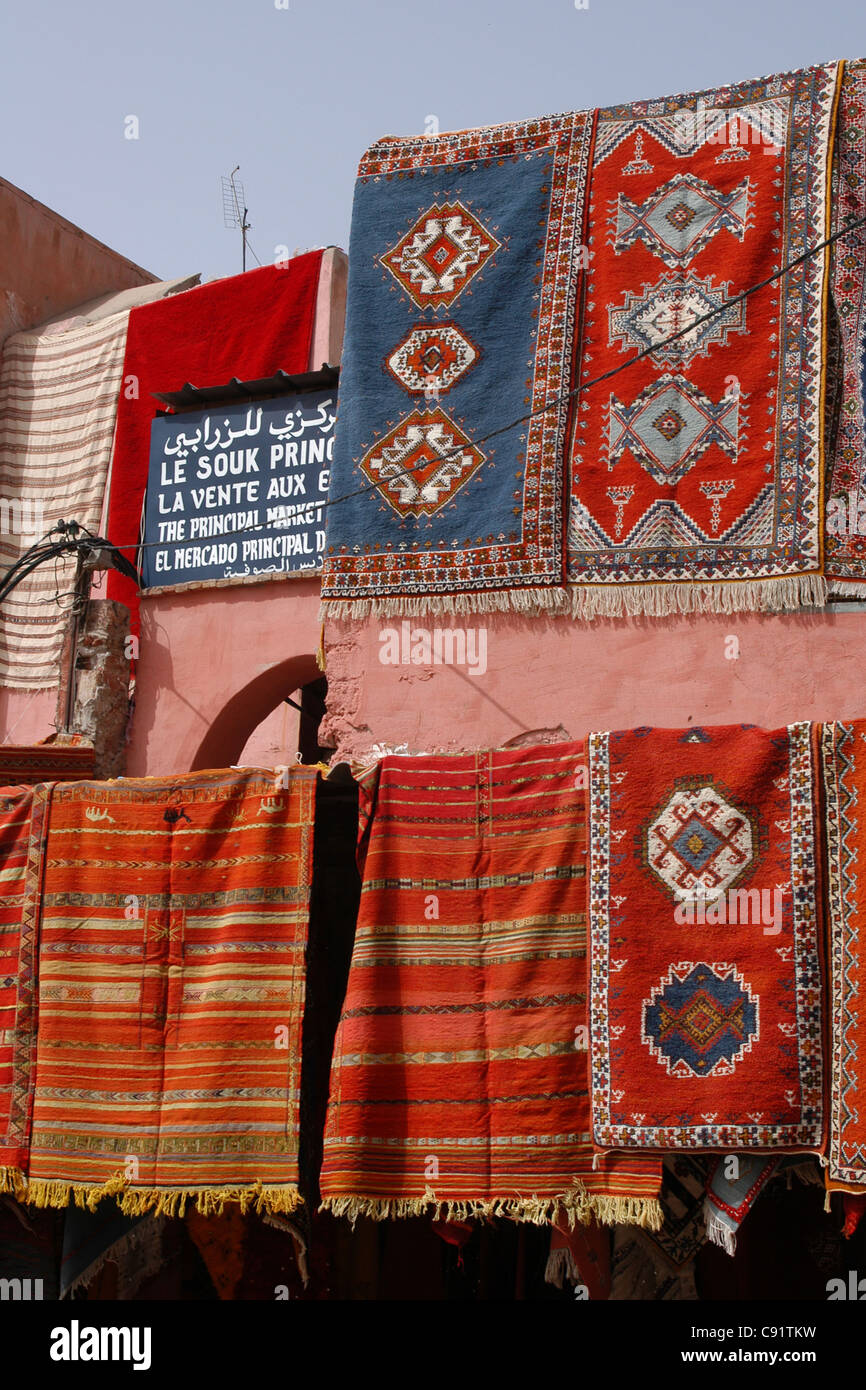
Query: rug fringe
662	600
13	1181
718	1231
521	601
838	588
163	1201
572	1206
141	1247
587	601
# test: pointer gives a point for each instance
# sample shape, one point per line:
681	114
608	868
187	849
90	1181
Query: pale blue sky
295	95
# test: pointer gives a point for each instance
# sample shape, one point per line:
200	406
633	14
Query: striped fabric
27	764
171	992
58	401
459	1079
22	830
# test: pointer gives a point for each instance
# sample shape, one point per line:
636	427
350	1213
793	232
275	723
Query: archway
224	741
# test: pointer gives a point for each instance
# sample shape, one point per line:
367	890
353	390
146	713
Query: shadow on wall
224	741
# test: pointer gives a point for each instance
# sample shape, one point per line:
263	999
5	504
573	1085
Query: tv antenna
234	199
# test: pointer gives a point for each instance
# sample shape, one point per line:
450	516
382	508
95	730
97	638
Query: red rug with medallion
696	471
706	1010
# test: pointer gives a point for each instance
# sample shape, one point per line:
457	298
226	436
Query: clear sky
294	95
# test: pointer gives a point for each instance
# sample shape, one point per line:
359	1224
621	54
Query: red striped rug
171	992
459	1081
23	812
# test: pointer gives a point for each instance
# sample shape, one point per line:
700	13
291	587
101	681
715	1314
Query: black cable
72	539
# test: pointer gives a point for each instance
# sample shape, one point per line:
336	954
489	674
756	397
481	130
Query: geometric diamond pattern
675	305
411	467
432	358
440	254
699	844
700	1019
681	218
670	425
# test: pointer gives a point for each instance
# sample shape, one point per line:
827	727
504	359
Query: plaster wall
213	665
48	265
548	679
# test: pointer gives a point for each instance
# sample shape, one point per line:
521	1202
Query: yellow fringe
576	1205
162	1201
13	1181
320	654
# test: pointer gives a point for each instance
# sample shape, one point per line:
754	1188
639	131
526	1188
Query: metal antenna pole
233	197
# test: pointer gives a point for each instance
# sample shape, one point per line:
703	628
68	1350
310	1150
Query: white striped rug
58	401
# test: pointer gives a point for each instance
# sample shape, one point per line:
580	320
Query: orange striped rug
459	1081
22	830
171	992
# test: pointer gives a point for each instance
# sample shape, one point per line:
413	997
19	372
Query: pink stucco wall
48	265
551	679
27	716
213	665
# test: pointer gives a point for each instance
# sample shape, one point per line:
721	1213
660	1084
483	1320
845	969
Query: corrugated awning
280	384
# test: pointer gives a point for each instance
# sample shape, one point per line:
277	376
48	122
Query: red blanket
248	326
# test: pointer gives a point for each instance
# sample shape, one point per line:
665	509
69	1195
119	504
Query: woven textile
696	473
171	991
28	764
639	1272
706	1027
580	1255
846	459
731	1194
682	1233
456	1086
23	813
465	257
844	773
58	401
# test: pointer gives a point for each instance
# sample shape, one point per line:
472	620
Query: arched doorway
229	733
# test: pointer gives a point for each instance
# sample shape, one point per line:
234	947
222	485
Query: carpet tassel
210	1201
587	601
719	1233
13	1181
574	1206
